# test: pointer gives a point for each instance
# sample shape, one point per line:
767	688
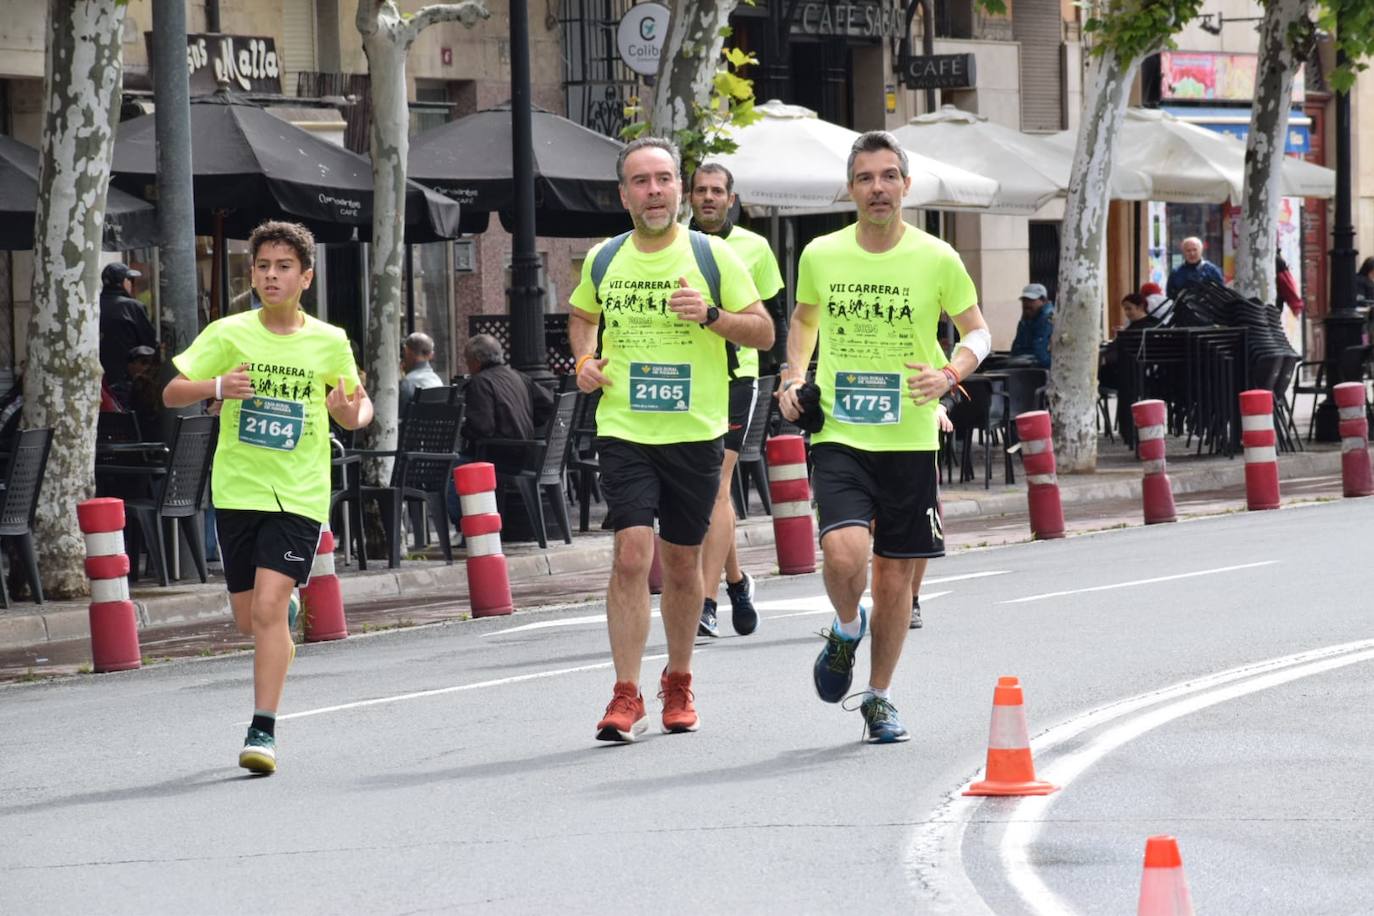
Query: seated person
500	403
416	352
1137	312
1033	332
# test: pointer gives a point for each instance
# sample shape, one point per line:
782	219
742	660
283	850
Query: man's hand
591	377
687	303
237	384
928	384
942	419
347	410
787	400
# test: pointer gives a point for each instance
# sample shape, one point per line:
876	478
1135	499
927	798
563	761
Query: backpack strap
710	270
602	262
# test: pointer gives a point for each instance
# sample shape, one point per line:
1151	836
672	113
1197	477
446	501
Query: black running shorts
675	482
250	540
895	494
744	394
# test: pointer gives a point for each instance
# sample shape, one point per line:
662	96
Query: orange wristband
577	366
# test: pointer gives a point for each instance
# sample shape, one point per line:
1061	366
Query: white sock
884	694
849	630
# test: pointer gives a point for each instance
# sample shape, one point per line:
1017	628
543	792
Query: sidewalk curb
176	606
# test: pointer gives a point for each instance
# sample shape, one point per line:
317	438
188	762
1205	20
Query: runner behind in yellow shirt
271	367
873	293
712	198
661	366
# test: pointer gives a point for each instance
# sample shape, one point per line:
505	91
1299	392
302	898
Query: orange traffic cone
1163	889
1010	770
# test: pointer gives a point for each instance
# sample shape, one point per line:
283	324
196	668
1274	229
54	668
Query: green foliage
1351	25
731	105
1135	28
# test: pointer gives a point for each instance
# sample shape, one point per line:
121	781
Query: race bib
660	387
872	398
271	423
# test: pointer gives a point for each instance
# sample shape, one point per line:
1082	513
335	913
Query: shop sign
640	37
874	19
939	71
1198	76
246	63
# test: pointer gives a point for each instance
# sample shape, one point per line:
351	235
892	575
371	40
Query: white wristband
219	388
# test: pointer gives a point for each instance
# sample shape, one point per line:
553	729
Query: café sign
246	63
859	19
939	71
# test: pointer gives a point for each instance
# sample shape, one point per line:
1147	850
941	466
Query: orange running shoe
679	713
625	717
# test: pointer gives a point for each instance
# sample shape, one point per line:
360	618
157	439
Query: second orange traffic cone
1163	889
1010	769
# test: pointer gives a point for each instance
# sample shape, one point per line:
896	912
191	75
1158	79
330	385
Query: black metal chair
546	463
19	503
751	467
114	427
346	501
427	452
440	394
986	412
179	499
583	465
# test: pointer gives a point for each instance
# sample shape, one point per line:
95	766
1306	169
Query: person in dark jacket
1364	283
1035	329
499	403
124	322
1194	270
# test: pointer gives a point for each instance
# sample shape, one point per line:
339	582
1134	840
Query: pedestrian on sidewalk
271	474
872	293
712	198
661	366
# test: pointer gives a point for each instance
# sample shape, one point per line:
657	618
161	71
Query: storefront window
1201	220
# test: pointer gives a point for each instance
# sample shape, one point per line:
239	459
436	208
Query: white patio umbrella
1029	171
792	163
1191	164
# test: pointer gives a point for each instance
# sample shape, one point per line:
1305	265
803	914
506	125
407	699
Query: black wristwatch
712	313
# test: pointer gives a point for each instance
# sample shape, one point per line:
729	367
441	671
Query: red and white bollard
488	580
1042	483
1357	475
114	620
1261	449
1157	495
322	596
794	526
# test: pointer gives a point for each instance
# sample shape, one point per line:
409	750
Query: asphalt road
1208	679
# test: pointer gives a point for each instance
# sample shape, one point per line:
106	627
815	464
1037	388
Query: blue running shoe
881	725
834	668
293	609
708	625
259	754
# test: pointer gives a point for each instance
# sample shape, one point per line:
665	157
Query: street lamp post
525	297
1344	326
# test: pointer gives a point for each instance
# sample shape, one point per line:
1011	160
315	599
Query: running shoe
293	609
625	718
916	622
679	712
881	725
742	612
259	754
708	626
834	668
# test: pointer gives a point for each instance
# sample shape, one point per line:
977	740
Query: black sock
265	722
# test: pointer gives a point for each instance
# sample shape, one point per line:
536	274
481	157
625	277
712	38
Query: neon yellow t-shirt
668	377
273	451
877	313
754	251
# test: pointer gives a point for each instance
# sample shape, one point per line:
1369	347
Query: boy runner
271	367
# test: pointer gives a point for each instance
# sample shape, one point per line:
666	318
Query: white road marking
1104	588
925	596
459	688
934	858
555	622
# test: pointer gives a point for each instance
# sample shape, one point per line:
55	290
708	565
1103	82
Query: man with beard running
647	335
